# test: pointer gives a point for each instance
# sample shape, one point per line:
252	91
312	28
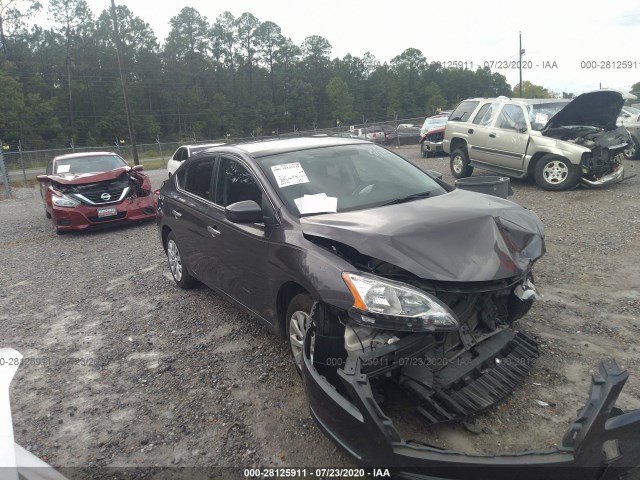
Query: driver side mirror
247	211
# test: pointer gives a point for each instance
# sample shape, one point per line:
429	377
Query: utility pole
123	81
520	54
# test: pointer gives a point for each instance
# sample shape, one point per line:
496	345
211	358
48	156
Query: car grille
92	194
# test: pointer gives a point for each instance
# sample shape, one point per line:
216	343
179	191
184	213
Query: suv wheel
424	151
459	164
553	172
631	152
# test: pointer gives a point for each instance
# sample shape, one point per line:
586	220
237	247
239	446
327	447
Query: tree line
235	76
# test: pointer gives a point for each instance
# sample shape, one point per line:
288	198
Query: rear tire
555	173
459	163
179	270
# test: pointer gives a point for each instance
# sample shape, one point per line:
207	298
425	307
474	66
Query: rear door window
197	178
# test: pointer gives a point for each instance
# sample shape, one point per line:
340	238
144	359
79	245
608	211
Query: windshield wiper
408	198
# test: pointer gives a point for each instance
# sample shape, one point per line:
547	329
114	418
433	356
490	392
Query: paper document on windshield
318	203
289	174
63	168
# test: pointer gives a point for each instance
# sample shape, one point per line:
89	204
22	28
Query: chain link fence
24	165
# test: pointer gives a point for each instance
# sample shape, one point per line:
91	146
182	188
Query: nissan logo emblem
105	196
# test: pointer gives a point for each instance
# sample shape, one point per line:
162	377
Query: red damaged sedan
84	190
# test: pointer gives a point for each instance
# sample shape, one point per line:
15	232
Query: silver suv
559	142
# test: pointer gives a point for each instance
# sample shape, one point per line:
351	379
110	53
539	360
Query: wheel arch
164	234
286	292
457	142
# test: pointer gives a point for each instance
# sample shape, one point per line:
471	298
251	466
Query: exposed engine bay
607	146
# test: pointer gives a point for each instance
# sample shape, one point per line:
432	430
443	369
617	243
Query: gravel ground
126	370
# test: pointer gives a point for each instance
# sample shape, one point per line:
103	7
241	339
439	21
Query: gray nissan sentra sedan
383	279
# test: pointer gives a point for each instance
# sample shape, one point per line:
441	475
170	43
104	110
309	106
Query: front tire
179	270
459	163
298	320
555	173
424	151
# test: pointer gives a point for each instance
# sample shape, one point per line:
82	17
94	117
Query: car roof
202	145
521	101
264	148
82	154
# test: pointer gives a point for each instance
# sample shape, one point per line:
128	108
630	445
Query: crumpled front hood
83	178
460	236
598	109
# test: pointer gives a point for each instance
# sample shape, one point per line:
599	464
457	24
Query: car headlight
64	201
386	304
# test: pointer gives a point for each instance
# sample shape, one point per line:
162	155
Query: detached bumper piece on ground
601	443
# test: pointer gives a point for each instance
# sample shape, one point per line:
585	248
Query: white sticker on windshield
542	118
63	168
289	174
319	203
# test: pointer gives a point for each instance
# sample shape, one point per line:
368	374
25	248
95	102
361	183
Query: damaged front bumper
599	444
614	177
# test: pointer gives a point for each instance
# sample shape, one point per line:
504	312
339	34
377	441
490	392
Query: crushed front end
447	346
600	443
91	201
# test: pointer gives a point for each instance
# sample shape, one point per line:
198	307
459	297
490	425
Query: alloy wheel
299	323
555	172
175	262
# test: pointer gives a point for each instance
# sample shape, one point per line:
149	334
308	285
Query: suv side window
511	117
464	111
485	115
197	177
235	184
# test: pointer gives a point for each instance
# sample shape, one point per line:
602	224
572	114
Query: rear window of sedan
343	178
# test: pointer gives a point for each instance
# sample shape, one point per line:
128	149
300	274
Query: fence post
24	173
160	148
5	177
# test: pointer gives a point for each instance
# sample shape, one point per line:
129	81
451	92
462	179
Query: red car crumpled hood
82	178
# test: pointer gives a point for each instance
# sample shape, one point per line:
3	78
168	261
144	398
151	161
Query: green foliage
341	100
237	76
529	90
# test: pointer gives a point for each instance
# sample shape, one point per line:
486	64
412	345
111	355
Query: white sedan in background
184	152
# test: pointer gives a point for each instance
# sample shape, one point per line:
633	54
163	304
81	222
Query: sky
569	47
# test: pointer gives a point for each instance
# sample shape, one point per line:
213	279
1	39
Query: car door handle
176	213
470	130
213	231
492	135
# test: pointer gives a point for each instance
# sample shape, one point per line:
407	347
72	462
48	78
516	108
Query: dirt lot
127	370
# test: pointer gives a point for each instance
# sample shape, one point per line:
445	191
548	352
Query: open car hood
84	178
597	109
460	236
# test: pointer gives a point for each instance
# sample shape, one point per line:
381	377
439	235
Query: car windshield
541	113
89	164
345	177
632	110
